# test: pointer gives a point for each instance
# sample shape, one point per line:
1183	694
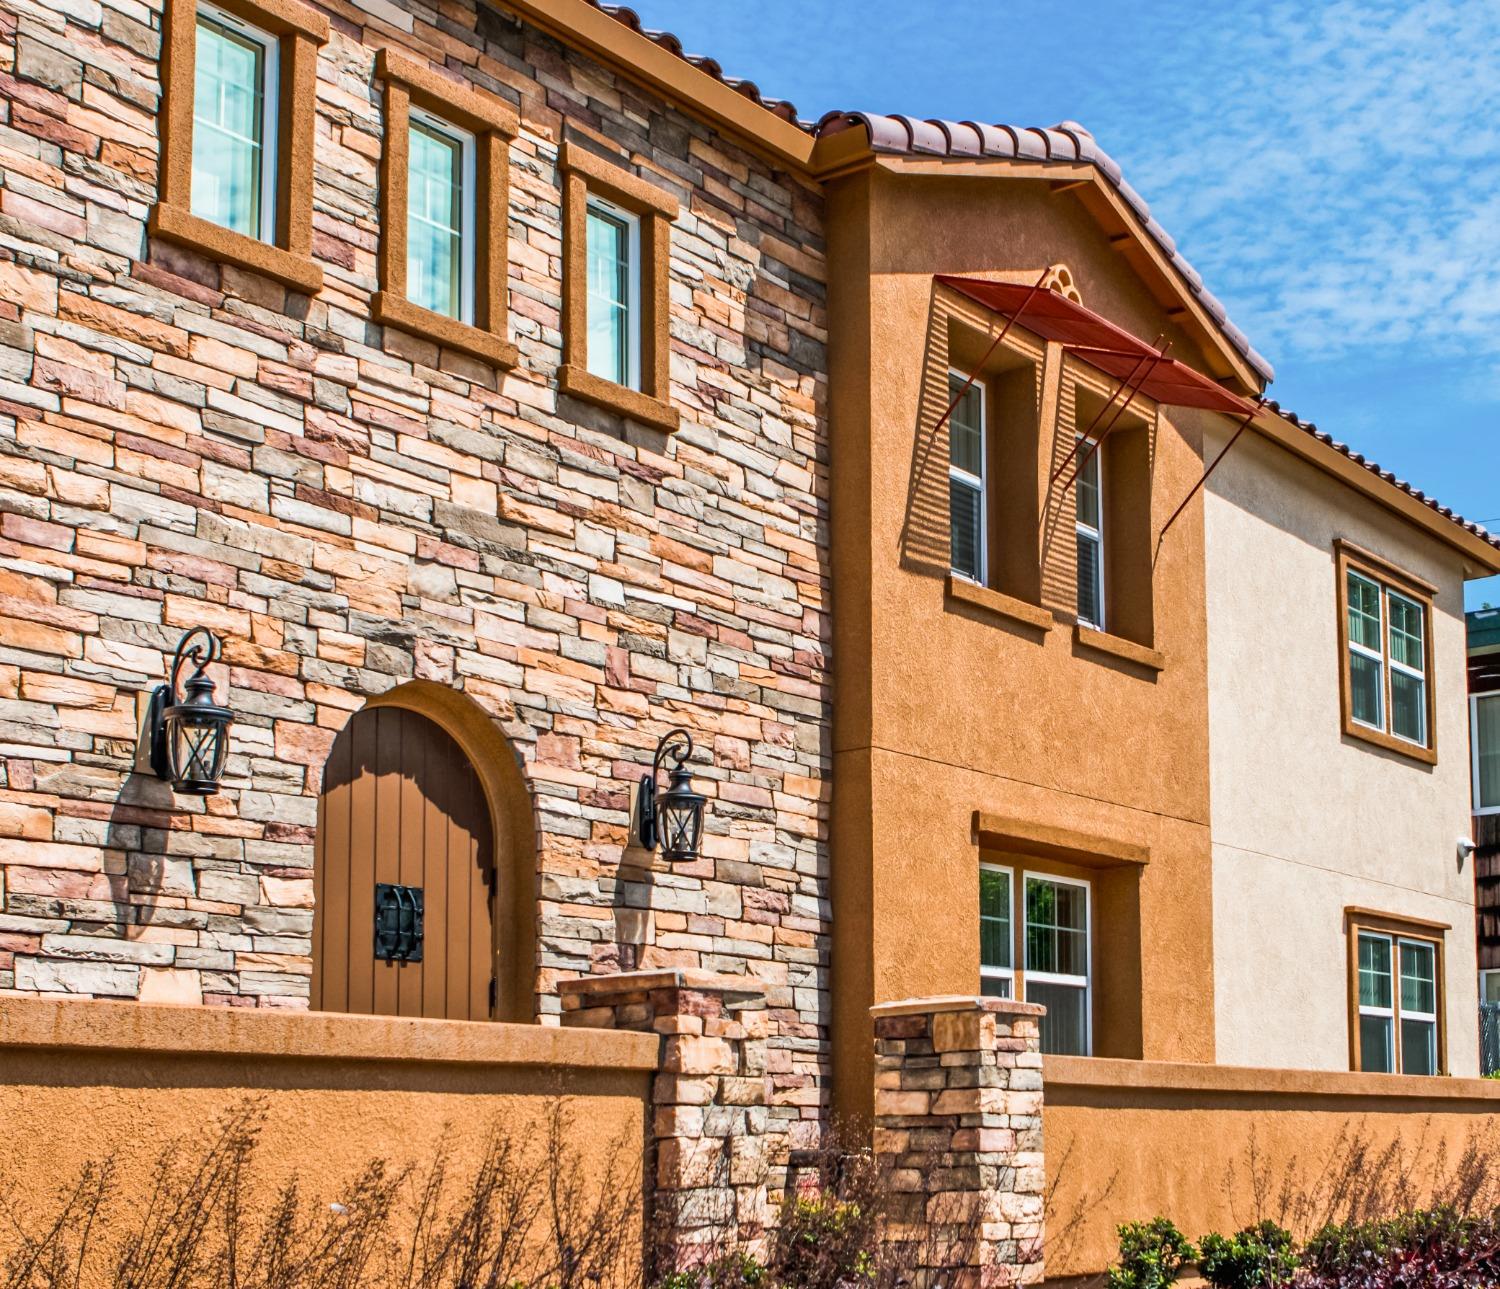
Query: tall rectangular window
1088	492
1386	633
234	125
1057	961
613	249
996	936
966	470
1484	737
440	217
1397	1003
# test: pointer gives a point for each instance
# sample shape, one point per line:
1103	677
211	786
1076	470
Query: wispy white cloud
1335	173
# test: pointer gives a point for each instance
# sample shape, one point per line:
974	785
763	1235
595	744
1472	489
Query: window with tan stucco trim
1395	995
237	135
1385	655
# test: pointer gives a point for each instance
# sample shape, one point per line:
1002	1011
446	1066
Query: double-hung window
1387	657
614	293
440	217
966	486
1088	493
1397	1004
234	124
996	934
1043	956
1484	738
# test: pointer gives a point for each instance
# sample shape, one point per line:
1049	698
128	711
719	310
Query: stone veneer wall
182	443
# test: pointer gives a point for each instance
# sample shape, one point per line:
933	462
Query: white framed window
1366	659
1088	496
1484	749
1056	970
440	216
997	936
966	478
235	99
1397	1001
1489	986
1407	620
613	271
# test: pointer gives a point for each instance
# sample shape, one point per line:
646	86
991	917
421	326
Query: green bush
732	1271
1259	1257
824	1241
1151	1255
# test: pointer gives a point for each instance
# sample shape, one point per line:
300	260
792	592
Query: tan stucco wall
88	1079
1307	821
1127	1141
943	710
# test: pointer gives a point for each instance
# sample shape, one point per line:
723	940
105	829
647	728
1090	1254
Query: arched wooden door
403	827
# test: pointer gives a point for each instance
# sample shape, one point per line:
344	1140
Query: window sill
173	224
392	310
1390	743
1118	647
996	603
583	384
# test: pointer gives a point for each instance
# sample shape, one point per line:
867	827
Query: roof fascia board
1073	174
1480	558
583	27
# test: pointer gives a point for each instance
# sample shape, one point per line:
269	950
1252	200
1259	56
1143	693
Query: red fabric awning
1098	342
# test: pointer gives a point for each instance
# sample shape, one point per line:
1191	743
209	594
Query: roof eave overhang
582	26
1481	559
1119	224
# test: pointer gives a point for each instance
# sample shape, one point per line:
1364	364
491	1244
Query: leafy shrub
1151	1255
1259	1257
824	1242
1439	1248
731	1271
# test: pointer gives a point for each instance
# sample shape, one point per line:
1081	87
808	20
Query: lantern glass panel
196	744
681	824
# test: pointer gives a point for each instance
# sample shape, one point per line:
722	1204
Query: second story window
234	125
614	293
996	937
966	468
1386	656
1484	733
236	122
1089	522
440	217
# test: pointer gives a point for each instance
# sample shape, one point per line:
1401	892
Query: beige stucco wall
1306	821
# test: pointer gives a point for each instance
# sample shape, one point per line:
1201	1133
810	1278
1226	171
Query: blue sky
1332	169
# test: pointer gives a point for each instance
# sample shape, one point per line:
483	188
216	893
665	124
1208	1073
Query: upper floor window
617	249
1088	490
239	96
614	293
1387	656
966	471
440	217
234	124
1484	737
444	193
1051	943
1397	1016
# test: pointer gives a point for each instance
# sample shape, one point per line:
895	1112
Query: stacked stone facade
185	443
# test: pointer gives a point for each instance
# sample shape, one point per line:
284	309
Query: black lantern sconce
672	819
190	734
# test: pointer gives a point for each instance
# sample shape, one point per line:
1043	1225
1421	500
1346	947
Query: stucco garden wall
1325	821
184	443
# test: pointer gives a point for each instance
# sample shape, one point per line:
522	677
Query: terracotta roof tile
1307	427
1066	142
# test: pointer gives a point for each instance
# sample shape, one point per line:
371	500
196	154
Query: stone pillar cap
957	1003
660	978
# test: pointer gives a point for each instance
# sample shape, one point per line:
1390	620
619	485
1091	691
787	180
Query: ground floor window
1044	955
1489	986
1397	996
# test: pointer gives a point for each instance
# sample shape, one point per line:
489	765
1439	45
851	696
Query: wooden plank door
401	805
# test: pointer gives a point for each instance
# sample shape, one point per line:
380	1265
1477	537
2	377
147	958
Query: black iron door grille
398	923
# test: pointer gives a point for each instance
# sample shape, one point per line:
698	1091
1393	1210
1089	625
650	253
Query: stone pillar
958	1133
709	1112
